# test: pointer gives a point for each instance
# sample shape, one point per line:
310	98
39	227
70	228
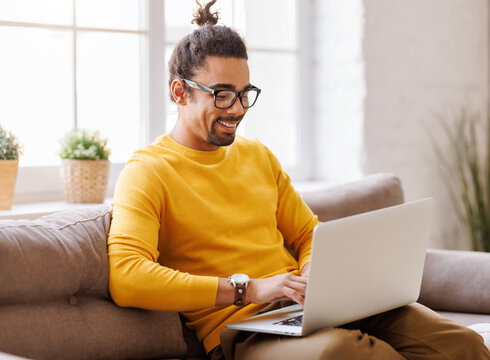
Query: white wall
420	59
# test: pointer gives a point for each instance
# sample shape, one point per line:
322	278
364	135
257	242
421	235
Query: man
200	207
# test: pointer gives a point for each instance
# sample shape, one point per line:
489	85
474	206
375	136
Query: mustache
236	119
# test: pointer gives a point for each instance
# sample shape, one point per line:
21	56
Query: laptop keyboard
294	321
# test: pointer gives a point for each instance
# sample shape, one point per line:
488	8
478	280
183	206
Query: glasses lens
249	98
224	99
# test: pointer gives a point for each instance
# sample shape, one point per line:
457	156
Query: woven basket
84	181
8	177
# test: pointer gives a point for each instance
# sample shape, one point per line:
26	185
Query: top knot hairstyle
203	16
209	39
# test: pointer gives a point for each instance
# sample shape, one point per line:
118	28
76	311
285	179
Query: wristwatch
240	283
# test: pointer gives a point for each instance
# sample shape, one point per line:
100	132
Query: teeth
227	124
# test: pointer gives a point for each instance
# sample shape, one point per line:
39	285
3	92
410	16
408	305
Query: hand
276	288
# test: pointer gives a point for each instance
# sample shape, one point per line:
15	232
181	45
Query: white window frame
43	183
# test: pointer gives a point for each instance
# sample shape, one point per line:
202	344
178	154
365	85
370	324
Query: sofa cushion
465	318
456	281
55	256
54	298
484	330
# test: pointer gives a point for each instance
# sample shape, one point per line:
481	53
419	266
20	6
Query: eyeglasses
224	99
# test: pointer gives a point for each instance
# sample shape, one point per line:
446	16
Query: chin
218	138
221	140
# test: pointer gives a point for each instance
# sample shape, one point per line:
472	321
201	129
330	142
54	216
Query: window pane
58	12
178	17
36	98
262	31
171	108
115	14
273	119
179	14
108	89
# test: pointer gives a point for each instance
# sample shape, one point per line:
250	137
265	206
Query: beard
222	140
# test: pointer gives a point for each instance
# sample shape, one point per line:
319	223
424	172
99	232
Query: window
101	65
69	64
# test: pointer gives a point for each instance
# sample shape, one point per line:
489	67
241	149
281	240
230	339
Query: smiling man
202	217
206	125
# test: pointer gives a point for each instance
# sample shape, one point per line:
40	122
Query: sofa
55	303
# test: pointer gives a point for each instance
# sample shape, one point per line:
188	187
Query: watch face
240	278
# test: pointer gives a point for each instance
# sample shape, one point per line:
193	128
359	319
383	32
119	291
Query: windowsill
311	186
32	211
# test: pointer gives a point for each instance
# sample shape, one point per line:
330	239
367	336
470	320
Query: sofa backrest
372	192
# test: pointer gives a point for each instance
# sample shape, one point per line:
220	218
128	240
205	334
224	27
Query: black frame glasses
236	94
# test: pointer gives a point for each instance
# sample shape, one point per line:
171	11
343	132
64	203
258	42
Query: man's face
206	126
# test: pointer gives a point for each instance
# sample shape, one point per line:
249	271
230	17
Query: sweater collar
206	157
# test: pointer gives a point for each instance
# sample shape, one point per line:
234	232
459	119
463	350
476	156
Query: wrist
240	283
250	295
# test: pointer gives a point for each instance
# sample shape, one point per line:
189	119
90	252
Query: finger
297	278
299	286
294	295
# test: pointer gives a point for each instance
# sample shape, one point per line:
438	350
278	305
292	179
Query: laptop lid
361	265
366	264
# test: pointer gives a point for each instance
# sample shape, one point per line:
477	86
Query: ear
178	92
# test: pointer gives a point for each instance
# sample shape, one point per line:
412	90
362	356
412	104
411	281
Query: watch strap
240	291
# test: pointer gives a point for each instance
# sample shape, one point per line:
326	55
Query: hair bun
203	16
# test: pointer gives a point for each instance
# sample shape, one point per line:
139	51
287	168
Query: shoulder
250	145
151	160
255	148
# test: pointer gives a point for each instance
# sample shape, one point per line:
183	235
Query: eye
225	95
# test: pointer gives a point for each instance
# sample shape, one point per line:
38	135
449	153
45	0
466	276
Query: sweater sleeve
295	220
136	279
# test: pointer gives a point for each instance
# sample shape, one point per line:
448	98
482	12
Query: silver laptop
361	265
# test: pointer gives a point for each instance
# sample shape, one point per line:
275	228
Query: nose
237	109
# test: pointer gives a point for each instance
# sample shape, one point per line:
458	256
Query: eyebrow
220	86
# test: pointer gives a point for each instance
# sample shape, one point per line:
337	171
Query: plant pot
8	177
84	181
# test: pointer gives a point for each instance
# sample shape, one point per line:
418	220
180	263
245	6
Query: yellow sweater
183	218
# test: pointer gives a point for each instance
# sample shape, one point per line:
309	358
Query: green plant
84	145
465	167
10	149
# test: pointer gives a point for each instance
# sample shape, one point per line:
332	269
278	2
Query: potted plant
10	150
84	166
465	167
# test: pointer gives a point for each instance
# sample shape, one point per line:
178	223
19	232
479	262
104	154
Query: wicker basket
8	177
84	181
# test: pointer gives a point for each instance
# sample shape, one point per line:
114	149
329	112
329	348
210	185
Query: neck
184	136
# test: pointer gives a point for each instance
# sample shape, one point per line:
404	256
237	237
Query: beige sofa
55	303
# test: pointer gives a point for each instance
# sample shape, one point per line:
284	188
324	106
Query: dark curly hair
209	39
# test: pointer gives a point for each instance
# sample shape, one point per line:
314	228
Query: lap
417	332
411	332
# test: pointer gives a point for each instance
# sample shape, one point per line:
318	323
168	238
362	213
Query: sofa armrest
369	193
456	281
